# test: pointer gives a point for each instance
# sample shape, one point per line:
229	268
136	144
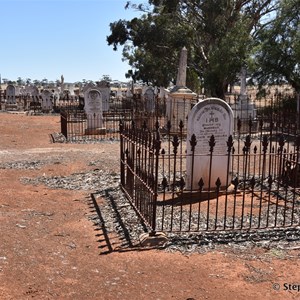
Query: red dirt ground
50	250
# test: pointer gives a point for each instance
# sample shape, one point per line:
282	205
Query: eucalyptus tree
44	82
219	36
36	82
106	78
4	80
20	81
277	56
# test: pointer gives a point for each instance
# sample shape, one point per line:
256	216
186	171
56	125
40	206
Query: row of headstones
96	99
47	97
148	95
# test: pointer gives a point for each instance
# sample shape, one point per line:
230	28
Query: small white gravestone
119	94
105	92
47	100
245	108
104	88
209	117
34	91
70	87
94	112
11	94
129	90
149	98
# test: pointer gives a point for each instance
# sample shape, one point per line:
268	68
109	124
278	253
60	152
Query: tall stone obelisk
181	99
181	75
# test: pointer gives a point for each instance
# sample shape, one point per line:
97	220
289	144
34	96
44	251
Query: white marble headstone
129	90
93	109
208	117
119	94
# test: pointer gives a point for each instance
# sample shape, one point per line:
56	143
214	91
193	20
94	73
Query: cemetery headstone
245	108
129	90
87	87
149	98
210	117
47	101
10	94
94	111
119	94
104	87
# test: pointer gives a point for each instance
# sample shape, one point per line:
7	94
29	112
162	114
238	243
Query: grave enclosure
209	120
212	176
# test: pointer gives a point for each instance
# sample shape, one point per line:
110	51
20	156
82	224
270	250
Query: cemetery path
50	248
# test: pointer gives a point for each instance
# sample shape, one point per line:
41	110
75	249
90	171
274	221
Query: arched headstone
94	111
210	117
10	94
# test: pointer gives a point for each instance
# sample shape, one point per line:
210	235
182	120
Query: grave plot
214	179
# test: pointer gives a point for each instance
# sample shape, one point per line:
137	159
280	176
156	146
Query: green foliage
278	47
218	35
283	104
118	34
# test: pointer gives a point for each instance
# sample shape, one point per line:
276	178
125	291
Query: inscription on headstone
93	102
210	117
93	109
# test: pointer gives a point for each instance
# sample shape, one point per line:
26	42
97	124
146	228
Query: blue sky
49	38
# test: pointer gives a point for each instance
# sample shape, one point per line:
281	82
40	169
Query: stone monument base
153	240
188	195
11	107
95	131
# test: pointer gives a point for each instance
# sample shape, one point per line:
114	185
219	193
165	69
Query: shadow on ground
115	234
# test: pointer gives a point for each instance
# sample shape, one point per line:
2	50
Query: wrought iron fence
261	190
77	126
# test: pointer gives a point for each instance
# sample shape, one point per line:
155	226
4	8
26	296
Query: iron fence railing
261	188
77	126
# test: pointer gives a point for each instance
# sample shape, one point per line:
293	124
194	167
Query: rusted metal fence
261	190
77	126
